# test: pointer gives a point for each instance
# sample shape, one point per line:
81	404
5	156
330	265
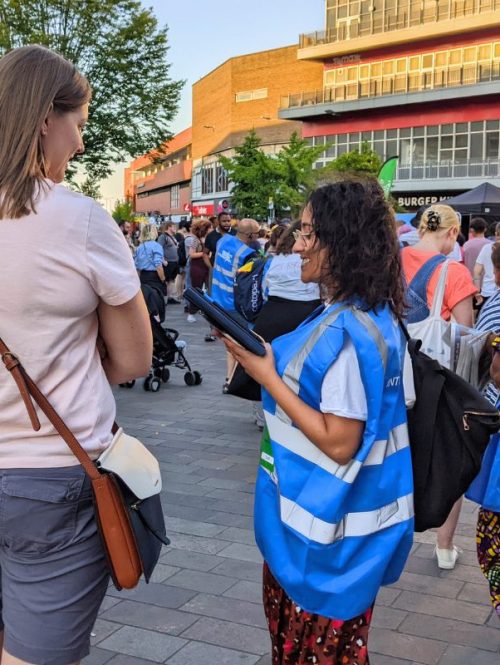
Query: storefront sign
345	59
413	200
202	209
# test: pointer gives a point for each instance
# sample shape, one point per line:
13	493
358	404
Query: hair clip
433	220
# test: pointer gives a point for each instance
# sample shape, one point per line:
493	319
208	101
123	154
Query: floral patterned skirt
488	552
302	638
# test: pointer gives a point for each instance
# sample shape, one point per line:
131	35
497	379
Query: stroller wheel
128	384
147	383
197	378
154	385
165	374
189	379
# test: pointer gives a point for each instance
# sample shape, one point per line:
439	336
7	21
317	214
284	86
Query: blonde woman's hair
437	218
148	232
33	81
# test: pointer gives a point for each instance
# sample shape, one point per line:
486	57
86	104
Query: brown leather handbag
132	529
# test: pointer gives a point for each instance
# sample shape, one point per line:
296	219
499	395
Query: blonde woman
81	283
149	258
438	230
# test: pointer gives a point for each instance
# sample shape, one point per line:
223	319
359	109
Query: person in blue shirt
334	498
149	258
232	252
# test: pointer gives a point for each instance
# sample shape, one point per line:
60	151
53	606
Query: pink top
471	251
55	266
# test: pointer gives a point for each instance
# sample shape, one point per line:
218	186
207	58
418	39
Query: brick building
418	78
162	184
243	93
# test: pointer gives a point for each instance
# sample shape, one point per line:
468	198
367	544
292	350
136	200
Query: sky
205	33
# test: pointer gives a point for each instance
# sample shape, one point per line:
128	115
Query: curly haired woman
334	496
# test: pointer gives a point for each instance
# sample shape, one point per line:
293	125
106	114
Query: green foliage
257	177
119	46
254	178
295	165
89	186
366	162
123	212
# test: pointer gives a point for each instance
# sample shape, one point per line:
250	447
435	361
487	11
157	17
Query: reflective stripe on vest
333	534
223	277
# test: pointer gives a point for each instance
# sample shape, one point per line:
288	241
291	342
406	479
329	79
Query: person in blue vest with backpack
334	496
232	252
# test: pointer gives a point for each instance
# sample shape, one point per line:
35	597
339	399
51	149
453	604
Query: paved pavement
204	603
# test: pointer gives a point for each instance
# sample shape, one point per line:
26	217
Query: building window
250	95
424	71
174	197
221	179
465	148
207	179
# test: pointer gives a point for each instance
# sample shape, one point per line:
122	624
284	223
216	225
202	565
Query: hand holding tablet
224	322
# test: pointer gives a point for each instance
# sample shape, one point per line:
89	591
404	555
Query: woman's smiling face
307	246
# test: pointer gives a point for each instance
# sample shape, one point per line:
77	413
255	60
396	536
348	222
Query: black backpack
449	429
247	288
181	253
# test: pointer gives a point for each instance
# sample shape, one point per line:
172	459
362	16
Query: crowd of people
334	515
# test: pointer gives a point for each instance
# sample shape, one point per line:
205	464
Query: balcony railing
397	84
438	170
399	18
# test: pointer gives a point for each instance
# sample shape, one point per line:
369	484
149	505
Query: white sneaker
447	558
191	318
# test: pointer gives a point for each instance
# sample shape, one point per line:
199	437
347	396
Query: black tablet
223	321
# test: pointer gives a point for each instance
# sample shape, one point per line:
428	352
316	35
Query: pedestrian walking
232	252
485	490
334	507
170	246
149	259
438	230
484	277
81	292
198	261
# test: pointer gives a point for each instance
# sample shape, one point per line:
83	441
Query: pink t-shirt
55	267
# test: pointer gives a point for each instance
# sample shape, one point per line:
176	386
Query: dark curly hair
353	220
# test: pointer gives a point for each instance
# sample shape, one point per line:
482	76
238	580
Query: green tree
119	46
295	164
257	177
366	162
254	177
123	212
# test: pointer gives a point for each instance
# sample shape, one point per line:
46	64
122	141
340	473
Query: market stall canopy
484	199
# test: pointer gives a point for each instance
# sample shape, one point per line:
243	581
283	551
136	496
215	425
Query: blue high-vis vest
230	255
333	534
485	490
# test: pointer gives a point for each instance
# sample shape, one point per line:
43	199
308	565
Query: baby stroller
168	349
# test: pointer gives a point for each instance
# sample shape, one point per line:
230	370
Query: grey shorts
53	568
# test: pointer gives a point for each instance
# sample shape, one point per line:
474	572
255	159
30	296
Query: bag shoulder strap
28	388
437	301
421	278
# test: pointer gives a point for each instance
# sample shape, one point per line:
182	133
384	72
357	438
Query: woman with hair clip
334	495
81	284
422	265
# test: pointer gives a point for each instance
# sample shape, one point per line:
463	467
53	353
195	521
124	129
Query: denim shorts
54	573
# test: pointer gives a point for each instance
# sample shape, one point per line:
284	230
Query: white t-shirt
282	279
342	391
484	259
55	267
